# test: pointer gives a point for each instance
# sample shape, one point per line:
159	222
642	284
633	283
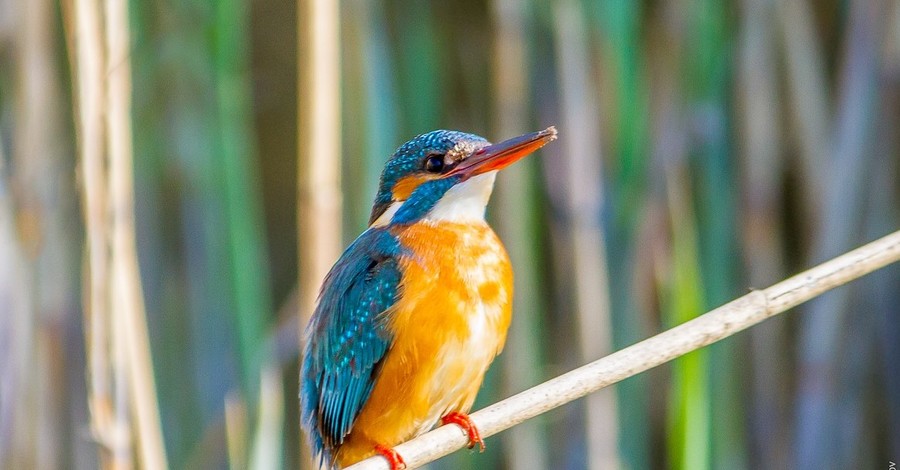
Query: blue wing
347	338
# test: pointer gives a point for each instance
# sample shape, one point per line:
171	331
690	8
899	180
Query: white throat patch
464	202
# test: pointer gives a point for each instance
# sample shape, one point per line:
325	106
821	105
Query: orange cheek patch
406	185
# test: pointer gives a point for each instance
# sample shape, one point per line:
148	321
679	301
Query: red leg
464	421
394	460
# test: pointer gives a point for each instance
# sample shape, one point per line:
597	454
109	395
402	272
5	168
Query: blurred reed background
705	148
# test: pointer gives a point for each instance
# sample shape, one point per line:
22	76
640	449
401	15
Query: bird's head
446	175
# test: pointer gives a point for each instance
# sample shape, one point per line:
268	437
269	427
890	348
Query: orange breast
449	323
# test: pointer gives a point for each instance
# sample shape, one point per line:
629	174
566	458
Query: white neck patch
464	202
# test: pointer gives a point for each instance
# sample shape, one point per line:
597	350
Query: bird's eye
434	164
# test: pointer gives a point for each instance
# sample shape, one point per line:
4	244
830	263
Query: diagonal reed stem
704	330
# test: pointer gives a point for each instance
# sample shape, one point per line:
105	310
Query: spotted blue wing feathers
347	338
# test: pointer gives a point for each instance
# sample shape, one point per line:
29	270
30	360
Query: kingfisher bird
416	308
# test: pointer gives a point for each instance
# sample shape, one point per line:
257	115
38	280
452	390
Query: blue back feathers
347	338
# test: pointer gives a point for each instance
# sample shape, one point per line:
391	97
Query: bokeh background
706	148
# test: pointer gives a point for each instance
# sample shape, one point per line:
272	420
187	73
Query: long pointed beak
499	156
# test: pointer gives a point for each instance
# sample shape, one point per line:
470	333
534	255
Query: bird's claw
465	422
396	462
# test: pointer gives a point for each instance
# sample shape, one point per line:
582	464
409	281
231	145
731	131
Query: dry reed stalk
267	450
127	299
704	330
319	192
524	446
120	371
586	245
110	431
319	150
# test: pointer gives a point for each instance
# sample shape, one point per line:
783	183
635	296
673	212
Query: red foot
394	460
464	421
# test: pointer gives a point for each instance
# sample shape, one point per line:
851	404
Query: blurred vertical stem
583	204
380	103
622	68
127	302
319	149
374	110
706	83
689	409
17	430
517	226
236	146
236	431
354	47
822	332
623	88
353	116
267	451
758	126
418	67
810	104
41	295
110	431
121	367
